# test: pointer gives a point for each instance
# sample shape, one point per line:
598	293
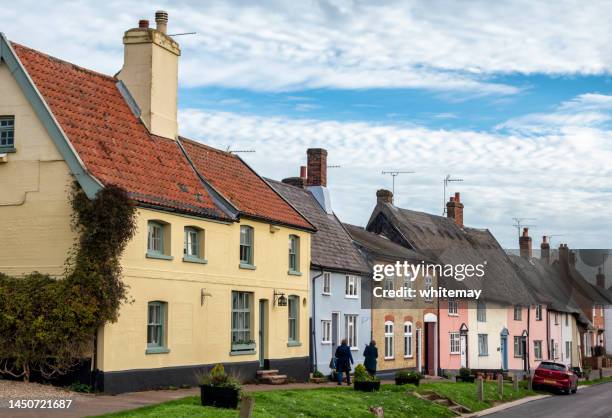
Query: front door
335	329
463	349
430	346
504	351
263	318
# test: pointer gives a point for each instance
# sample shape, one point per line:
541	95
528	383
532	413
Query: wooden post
601	372
246	407
529	381
480	388
515	382
500	385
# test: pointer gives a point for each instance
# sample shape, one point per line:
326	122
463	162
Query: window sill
326	342
354	348
247	266
326	293
389	358
192	259
7	150
410	356
294	273
242	353
351	296
455	354
157	350
294	344
453	314
483	355
159	256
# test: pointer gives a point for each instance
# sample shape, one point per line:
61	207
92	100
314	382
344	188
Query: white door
418	349
463	350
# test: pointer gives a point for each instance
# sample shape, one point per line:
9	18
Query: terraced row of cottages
228	267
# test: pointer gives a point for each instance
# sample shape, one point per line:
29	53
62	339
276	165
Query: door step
271	377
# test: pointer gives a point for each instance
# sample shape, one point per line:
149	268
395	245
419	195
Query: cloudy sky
514	98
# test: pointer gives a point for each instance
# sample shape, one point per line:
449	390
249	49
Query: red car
556	376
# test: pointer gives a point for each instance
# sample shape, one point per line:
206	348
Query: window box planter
367	386
219	396
236	347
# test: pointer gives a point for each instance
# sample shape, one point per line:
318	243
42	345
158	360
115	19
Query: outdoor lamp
280	299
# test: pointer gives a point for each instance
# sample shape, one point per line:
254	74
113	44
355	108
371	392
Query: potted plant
318	377
363	381
465	375
403	377
219	389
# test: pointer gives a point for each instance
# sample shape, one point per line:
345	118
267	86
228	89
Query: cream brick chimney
150	73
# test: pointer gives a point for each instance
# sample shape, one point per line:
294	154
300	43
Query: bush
318	374
362	375
218	378
403	377
48	325
464	371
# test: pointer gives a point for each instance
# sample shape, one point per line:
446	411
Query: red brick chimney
384	196
545	250
454	209
601	279
317	167
525	244
297	181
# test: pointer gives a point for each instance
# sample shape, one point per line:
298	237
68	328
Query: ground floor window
389	352
483	344
568	349
454	343
537	349
518	346
241	322
293	308
407	339
351	330
326	331
156	325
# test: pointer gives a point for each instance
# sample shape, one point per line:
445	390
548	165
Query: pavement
590	401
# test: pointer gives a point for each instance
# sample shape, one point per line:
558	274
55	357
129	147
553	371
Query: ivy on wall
47	325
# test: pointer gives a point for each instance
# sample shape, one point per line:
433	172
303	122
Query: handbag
332	363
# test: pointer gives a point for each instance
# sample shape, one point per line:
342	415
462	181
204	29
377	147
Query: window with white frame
193	245
325	331
481	312
483	344
538	312
294	253
246	245
518	346
518	312
327	283
537	349
389	352
556	318
241	322
455	343
351	286
408	285
7	132
453	307
429	286
556	350
158	245
351	330
408	339
388	284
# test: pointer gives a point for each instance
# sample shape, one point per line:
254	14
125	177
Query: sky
512	97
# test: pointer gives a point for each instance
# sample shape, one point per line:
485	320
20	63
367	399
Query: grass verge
595	381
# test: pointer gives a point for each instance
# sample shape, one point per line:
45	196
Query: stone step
443	401
277	379
266	372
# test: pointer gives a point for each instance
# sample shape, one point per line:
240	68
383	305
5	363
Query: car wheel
575	390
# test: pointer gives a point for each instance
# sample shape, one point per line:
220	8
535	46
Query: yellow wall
35	229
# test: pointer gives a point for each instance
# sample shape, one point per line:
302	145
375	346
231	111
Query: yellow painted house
218	270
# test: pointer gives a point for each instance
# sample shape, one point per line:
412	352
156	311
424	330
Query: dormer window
7	133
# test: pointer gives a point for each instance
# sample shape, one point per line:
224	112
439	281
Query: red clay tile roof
239	184
116	148
112	142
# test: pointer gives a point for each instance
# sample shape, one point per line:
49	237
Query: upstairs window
327	283
193	249
294	253
158	240
246	245
351	286
538	312
429	287
481	312
518	312
7	132
453	307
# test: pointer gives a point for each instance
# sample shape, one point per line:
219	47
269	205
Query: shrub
362	375
218	378
48	325
464	372
318	374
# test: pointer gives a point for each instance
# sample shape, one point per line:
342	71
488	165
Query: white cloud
562	179
286	45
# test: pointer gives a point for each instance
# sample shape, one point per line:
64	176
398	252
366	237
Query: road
591	402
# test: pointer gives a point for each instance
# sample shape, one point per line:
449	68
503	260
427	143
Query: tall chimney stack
317	167
454	209
525	244
545	250
384	196
600	278
150	73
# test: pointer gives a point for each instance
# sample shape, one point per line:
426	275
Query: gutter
314	328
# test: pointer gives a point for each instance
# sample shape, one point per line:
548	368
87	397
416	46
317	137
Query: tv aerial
520	223
447	179
394	174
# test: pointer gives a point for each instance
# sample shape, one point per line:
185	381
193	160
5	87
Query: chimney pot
454	209
600	278
525	244
161	20
303	172
384	196
143	24
317	167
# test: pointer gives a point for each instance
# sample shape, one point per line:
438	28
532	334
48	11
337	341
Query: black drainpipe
313	324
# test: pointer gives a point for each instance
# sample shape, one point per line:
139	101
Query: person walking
370	355
344	359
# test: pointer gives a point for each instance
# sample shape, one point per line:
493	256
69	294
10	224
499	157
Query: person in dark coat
344	359
370	358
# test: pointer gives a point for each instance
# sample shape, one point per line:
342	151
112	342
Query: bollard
601	373
500	385
515	382
246	407
529	382
480	388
